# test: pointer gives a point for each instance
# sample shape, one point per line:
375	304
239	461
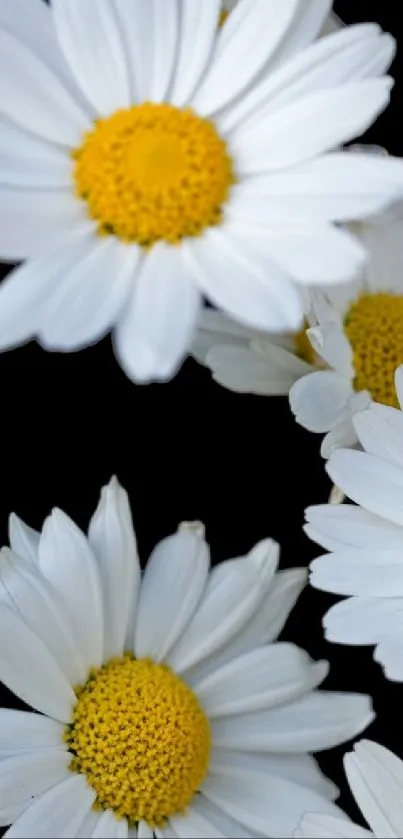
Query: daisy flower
166	706
358	340
375	776
150	159
365	563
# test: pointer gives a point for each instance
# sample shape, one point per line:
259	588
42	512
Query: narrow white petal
151	31
219	819
199	23
30	671
323	255
90	296
143	832
341	436
29	594
382	237
24	232
380	432
259	680
113	540
323	826
235	273
270	805
23	779
330	342
320	400
66	559
313	125
35	99
109	827
262	369
373	483
399	384
343	526
90	39
367	573
173	584
375	776
24	731
155	331
317	721
194	825
27	161
362	620
59	812
252	33
388	653
24	540
88	825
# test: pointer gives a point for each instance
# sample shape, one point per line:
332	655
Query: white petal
90	296
59	812
235	273
355	53
24	540
23	779
144	831
151	32
302	769
341	436
388	653
66	559
194	825
29	670
112	538
362	620
252	33
267	804
399	384
172	586
323	826
88	825
342	526
109	827
35	99
376	778
317	721
262	369
323	255
221	820
382	237
30	595
24	731
320	399
259	680
380	432
367	573
28	161
368	481
24	232
90	39
334	187
155	331
291	135
199	23
330	342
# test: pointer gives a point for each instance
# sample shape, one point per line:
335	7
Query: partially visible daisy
359	340
151	158
366	542
166	706
375	776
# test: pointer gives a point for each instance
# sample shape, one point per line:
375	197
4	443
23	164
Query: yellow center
374	327
153	172
141	738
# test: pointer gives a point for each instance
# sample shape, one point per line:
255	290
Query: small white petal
109	827
388	653
155	331
199	23
59	812
144	832
375	776
317	721
320	400
221	820
90	39
24	731
380	432
362	620
112	538
194	825
35	99
330	342
324	826
30	671
24	540
263	368
172	586
67	561
25	778
399	384
373	483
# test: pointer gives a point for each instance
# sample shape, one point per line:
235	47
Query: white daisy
358	339
164	701
149	158
375	776
366	542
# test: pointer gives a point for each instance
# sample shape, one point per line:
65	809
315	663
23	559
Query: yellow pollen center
374	327
153	172
141	738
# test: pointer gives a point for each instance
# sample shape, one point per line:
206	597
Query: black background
188	450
